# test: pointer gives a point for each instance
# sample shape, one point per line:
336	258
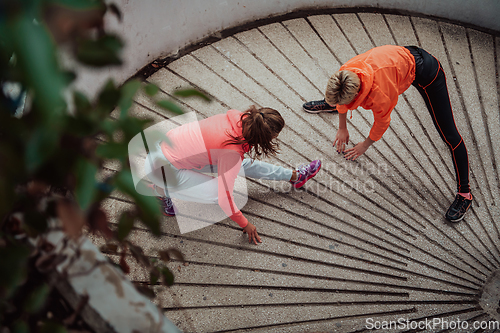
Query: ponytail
260	127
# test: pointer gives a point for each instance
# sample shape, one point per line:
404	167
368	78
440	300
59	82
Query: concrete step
363	239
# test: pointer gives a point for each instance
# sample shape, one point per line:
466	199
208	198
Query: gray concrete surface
364	239
157	28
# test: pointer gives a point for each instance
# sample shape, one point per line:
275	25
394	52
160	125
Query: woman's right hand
341	139
251	230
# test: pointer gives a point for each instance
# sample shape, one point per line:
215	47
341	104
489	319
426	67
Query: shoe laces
303	168
459	201
167	202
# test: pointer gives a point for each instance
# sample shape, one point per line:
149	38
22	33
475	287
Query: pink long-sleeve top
198	144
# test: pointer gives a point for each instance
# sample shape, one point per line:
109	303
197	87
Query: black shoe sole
459	219
455	221
319	111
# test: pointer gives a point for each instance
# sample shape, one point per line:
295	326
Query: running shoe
166	204
306	172
458	208
318	106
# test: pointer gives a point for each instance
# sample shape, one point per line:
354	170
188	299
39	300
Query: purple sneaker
306	172
167	206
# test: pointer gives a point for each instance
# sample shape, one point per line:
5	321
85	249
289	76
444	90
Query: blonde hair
260	127
342	87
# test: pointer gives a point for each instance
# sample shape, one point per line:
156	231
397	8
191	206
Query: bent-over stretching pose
374	80
218	144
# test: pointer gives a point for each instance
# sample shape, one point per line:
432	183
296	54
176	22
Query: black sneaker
458	208
318	106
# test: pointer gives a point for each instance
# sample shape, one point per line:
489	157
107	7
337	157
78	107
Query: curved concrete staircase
364	241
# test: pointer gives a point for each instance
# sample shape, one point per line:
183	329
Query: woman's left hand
251	230
358	150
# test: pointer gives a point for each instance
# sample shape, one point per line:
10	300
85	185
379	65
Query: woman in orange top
374	80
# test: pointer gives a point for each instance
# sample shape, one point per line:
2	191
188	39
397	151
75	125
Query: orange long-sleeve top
385	73
198	144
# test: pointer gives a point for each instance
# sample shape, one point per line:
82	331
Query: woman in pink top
218	144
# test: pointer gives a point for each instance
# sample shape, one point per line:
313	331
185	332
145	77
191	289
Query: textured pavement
364	239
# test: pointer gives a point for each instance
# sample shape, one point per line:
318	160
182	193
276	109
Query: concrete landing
365	241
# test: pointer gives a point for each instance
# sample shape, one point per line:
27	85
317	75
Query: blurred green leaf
170	106
12	164
132	126
101	52
12	267
37	299
128	92
36	54
42	143
108	126
164	255
109	248
148	206
168	277
79	4
125	225
82	103
154	276
20	326
69	77
108	98
173	252
35	222
105	187
79	126
112	150
192	93
146	291
52	327
7	194
151	89
85	183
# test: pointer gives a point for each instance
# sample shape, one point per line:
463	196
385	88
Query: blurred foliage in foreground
51	149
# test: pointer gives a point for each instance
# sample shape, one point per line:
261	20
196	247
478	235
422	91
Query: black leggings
430	82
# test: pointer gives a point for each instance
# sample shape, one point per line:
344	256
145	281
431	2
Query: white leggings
195	185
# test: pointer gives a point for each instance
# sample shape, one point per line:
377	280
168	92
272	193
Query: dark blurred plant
50	149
